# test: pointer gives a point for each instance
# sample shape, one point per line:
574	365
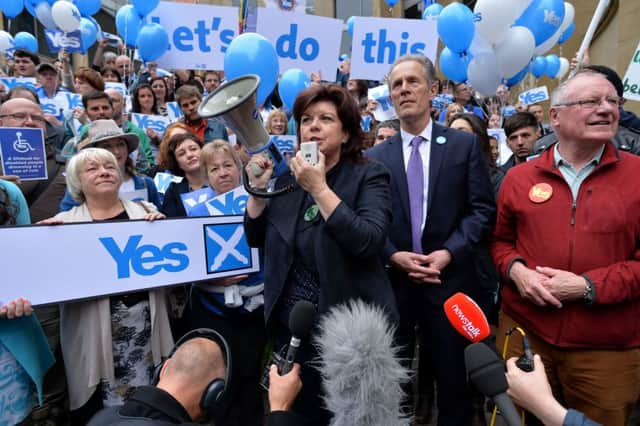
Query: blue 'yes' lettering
387	51
146	259
287	43
73	100
145	122
230	205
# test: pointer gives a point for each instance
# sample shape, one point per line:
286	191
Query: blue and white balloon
456	27
543	18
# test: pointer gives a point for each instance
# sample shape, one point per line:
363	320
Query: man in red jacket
567	243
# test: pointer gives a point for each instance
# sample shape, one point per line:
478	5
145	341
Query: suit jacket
460	211
348	246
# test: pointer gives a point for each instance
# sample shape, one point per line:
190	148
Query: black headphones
215	390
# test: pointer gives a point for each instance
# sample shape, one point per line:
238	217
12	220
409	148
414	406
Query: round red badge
540	192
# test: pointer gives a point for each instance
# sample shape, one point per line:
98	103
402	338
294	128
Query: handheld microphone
301	320
466	317
486	371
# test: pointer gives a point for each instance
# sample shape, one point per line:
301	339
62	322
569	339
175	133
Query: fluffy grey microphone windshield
361	374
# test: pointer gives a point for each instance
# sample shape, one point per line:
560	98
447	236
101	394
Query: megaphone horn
235	103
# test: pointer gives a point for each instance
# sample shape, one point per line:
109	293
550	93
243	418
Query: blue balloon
11	8
292	82
144	7
432	10
87	7
128	24
251	53
543	18
538	66
30	5
153	42
391	3
567	33
518	77
350	25
26	41
88	33
456	27
553	65
454	65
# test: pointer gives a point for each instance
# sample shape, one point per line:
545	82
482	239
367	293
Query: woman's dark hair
168	96
348	113
135	103
112	70
170	161
479	128
8	212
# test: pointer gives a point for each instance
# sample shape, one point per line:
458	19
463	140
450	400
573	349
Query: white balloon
564	68
569	13
483	75
479	45
515	51
496	17
43	13
66	16
6	41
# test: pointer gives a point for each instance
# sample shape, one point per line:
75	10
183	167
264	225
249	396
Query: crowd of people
400	214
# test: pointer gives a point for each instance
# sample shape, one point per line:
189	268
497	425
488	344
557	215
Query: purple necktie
415	182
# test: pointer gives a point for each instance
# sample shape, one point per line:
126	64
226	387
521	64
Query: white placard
504	152
385	110
120	87
199	34
173	111
115	257
156	123
308	42
632	77
61	103
378	42
533	96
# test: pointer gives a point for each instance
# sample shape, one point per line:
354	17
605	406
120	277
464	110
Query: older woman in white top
110	344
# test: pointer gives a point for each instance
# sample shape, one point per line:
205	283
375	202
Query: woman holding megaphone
324	239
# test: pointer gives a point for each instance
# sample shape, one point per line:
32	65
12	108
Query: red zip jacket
596	237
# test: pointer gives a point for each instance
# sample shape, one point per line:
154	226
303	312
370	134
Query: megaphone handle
262	193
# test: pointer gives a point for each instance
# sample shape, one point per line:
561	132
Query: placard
199	34
308	42
385	110
631	84
378	42
71	42
103	258
534	96
193	198
23	153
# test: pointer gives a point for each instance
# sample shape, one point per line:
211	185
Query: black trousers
443	349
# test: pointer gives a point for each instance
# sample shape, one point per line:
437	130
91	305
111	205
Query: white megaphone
235	103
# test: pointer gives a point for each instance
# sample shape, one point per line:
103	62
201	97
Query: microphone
486	371
361	372
466	317
301	320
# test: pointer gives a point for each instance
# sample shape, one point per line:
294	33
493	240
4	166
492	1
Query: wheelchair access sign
23	154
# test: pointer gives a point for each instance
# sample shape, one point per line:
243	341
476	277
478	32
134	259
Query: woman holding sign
108	135
110	344
325	238
181	157
233	306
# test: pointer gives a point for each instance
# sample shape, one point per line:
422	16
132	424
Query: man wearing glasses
566	243
43	196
